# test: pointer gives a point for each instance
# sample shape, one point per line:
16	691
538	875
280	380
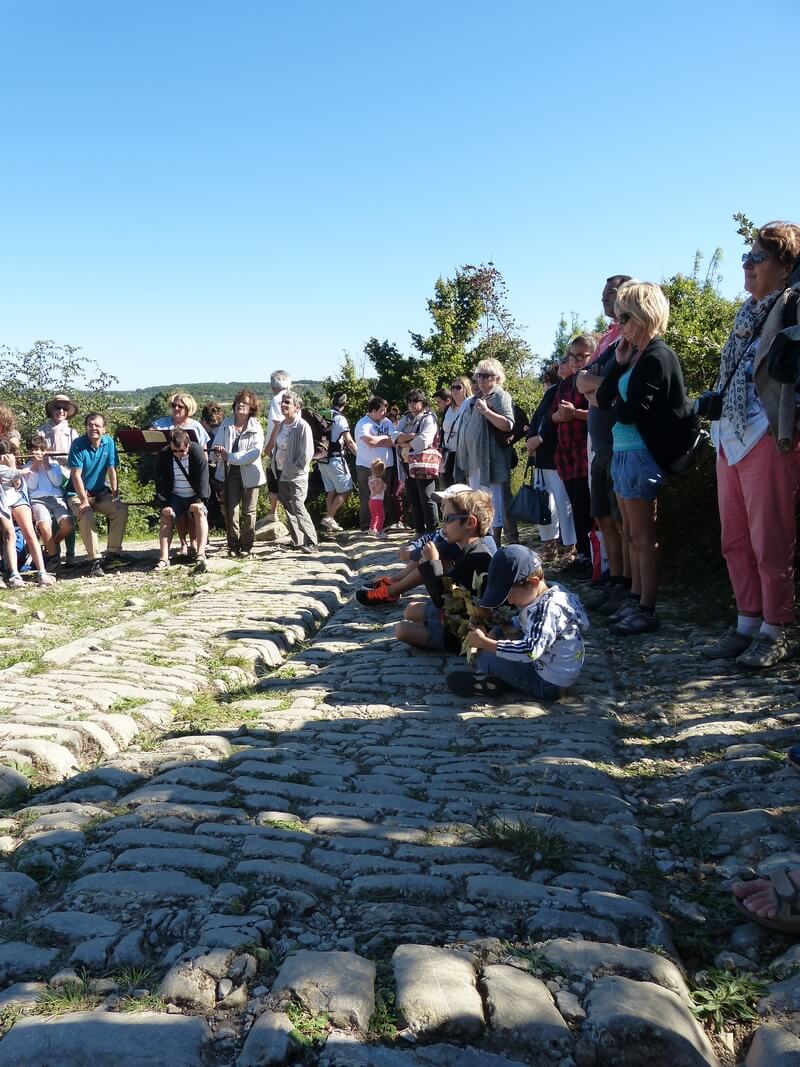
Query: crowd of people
614	423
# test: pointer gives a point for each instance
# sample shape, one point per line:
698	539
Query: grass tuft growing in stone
532	846
76	996
150	1002
725	997
8	1016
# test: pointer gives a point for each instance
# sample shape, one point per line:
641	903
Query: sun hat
61	398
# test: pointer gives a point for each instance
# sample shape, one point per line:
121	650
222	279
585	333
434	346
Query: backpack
320	423
507	438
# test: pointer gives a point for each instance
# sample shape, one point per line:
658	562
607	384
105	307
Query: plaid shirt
572	456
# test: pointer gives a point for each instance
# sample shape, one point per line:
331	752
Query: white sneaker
331	524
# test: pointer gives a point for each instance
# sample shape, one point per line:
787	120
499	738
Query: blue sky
208	191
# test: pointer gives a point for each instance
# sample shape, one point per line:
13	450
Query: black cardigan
657	403
197	471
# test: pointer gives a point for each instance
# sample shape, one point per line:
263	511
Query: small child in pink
377	490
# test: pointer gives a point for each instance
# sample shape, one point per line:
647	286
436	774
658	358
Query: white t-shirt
275	414
365	453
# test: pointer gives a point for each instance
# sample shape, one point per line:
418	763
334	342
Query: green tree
358	388
565	331
699	322
28	378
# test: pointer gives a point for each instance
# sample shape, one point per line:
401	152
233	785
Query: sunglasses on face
60	407
178	407
457	385
484	374
179	451
452	518
754	258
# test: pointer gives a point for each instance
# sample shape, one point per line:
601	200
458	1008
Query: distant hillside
201	391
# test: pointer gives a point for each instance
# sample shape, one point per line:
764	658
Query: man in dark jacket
182	484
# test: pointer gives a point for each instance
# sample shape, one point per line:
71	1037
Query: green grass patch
150	1002
537	963
123	704
309	1029
76	996
533	846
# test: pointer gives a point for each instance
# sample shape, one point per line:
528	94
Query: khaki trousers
113	510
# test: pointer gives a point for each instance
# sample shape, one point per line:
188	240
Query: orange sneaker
373	598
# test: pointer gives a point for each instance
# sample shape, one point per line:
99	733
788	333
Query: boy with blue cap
542	652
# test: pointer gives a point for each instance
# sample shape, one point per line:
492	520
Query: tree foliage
28	379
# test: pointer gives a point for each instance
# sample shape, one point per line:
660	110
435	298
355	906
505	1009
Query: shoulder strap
185	473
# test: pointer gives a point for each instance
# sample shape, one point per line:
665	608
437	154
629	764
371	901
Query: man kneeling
185	490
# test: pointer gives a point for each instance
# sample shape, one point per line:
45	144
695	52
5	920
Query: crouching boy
466	522
542	652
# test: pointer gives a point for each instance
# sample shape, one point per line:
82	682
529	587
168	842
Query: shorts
439	637
446	549
335	475
601	488
180	504
47	508
636	475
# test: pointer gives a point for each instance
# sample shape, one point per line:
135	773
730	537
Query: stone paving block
22	995
586	957
287	872
520	1011
19	960
72	927
773	1046
141	884
625	1018
404	885
340	984
436	992
17	892
268	1041
502	887
98	1039
180	859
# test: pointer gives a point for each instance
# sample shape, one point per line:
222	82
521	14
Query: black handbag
531	502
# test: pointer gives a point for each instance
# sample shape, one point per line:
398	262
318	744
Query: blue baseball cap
509	565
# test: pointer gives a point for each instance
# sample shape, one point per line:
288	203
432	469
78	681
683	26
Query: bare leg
200	527
413	630
24	520
165	529
45	532
9	544
644	545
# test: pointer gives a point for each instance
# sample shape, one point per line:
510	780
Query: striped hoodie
551	627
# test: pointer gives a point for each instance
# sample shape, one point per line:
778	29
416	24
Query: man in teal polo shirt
94	486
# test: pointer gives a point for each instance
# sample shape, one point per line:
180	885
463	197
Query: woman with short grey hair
294	449
481	459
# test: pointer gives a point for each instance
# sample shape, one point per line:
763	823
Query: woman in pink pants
758	459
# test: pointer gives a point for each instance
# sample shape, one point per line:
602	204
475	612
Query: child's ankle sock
747	626
774	632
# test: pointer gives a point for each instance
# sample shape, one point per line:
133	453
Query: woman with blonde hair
183	406
238	444
482	460
653	428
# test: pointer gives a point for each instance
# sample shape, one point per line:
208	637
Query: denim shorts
181	504
439	637
636	475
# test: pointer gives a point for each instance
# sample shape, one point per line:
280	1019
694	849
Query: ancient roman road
243	826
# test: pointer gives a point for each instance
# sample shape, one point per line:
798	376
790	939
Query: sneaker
113	559
45	579
626	607
96	571
636	622
729	646
764	651
617	594
384	579
597	597
373	598
201	566
381	535
309	550
245	553
15	581
331	524
475	683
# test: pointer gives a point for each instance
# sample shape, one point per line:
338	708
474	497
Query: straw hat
61	398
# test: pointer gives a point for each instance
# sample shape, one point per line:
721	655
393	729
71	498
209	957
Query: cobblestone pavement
261	832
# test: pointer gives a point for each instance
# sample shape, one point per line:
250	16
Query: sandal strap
786	892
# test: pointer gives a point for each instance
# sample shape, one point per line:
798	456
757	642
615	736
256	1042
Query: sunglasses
178	407
485	374
452	518
456	385
754	258
60	407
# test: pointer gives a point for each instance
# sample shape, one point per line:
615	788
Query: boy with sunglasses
542	652
466	522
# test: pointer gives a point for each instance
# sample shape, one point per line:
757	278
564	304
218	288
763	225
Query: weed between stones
309	1029
723	997
533	846
76	996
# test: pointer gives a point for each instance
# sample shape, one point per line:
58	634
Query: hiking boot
375	598
764	651
729	646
